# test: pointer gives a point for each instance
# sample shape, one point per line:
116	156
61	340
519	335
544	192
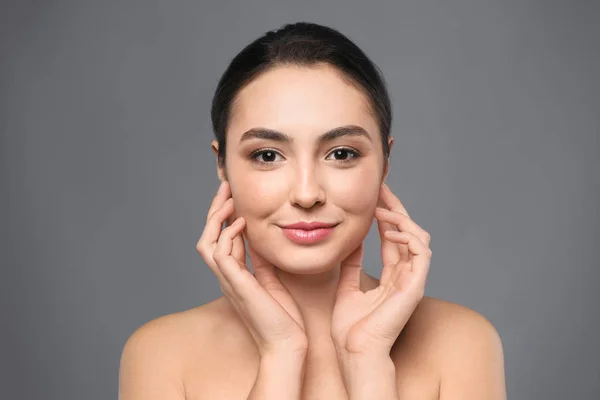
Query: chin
307	260
304	260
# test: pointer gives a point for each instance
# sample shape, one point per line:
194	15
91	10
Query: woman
302	122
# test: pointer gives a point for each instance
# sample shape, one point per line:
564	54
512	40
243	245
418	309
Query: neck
315	296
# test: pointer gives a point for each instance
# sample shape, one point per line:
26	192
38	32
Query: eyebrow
270	134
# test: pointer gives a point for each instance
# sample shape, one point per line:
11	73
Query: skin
437	349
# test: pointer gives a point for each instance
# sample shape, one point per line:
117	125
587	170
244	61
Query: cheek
357	191
256	196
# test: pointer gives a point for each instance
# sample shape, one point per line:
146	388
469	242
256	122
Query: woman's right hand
264	304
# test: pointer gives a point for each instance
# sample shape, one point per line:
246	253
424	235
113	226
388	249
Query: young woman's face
282	170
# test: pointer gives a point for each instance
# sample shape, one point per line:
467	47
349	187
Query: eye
265	156
344	154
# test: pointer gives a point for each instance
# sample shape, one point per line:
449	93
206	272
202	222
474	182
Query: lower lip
302	236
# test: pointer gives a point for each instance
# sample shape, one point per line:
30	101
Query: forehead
302	101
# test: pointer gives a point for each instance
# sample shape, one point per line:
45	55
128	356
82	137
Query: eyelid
258	152
255	153
348	149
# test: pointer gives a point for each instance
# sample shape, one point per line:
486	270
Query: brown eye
264	156
344	154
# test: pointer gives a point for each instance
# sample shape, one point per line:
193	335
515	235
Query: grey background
107	172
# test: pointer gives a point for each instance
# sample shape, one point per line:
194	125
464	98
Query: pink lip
309	225
308	232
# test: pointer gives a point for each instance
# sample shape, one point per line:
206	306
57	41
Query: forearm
370	378
279	377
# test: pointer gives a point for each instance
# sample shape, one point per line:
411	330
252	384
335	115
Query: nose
306	190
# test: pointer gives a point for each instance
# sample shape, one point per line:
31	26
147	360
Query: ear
386	169
220	168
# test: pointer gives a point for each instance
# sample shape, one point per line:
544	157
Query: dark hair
304	44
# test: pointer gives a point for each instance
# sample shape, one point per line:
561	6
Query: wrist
290	348
369	377
283	360
363	364
280	376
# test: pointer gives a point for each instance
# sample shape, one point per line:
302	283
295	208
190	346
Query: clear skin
322	327
305	182
313	294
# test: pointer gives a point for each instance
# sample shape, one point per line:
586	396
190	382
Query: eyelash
355	155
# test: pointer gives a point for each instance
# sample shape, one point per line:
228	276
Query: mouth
308	232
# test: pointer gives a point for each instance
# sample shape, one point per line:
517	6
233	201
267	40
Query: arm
148	369
370	378
279	376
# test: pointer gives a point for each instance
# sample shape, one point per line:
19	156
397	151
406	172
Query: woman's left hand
367	324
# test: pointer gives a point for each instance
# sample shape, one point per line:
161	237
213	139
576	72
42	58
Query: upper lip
307	226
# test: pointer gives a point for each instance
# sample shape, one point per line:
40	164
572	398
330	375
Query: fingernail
221	187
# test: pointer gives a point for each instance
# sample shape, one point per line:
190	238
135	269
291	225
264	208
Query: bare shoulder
449	328
150	361
461	347
447	318
159	354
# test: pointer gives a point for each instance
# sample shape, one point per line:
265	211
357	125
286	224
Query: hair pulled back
302	44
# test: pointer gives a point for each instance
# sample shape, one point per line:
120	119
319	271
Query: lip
308	232
307	226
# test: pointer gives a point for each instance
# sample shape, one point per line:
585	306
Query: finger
390	200
266	276
218	253
223	193
350	269
235	273
214	225
246	288
391	269
224	245
389	318
264	271
391	253
239	248
421	255
403	223
208	240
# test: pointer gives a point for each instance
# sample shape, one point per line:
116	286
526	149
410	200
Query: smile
307	236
